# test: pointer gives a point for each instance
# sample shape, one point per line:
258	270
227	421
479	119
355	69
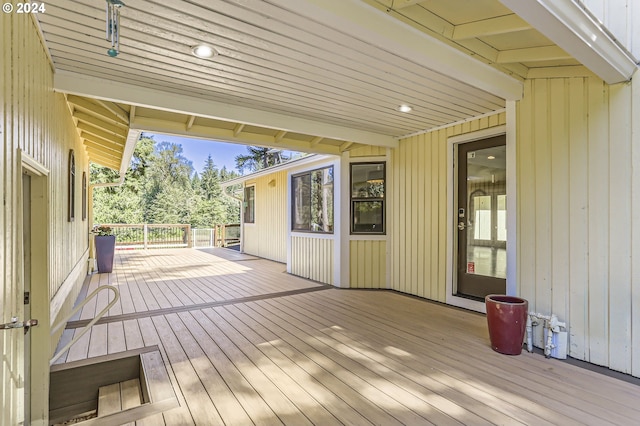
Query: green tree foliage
258	158
161	186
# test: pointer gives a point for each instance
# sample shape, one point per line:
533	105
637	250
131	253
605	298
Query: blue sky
197	150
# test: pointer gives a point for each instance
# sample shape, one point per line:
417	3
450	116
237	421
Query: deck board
352	357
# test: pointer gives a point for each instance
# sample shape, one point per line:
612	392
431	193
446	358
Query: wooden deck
246	344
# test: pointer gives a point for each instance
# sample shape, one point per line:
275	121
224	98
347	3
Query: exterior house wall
368	255
578	210
619	17
38	122
313	257
417	209
267	237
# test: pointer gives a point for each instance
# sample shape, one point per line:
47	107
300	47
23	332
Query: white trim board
450	298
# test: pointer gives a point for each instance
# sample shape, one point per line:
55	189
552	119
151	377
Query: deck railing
146	236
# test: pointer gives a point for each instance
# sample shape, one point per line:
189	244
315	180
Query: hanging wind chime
113	26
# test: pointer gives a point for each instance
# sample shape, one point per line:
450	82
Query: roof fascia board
129	147
83	85
304	161
573	29
369	24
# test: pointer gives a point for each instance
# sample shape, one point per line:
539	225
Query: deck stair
123	388
118	397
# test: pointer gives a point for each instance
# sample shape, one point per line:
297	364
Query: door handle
461	226
19	324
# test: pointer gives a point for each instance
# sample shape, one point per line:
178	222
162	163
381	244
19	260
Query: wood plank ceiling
272	58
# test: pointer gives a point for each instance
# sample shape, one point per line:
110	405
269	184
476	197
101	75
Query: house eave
580	34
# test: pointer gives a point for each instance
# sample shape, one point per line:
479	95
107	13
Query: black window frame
355	200
249	206
293	201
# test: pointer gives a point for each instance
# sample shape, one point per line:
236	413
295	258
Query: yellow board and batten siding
36	121
313	258
267	237
417	208
578	205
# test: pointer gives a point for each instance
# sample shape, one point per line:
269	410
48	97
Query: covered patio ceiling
319	76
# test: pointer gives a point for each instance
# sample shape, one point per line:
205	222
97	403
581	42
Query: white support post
145	231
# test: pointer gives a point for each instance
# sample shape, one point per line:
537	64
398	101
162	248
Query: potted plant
105	242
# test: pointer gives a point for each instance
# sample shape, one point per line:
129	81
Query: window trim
293	198
253	204
353	200
72	187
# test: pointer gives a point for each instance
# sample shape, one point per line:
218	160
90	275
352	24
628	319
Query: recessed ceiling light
203	51
491	157
404	108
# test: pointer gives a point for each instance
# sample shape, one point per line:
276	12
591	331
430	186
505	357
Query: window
250	204
368	182
84	195
72	186
312	201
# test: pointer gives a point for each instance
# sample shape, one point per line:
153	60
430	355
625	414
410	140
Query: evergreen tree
259	158
162	187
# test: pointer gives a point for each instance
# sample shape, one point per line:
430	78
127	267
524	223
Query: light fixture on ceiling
404	108
113	26
491	157
204	51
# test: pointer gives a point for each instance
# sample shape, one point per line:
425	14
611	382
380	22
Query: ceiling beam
190	121
145	124
101	133
278	137
103	161
315	141
115	110
487	27
99	149
132	113
357	19
345	146
580	35
532	54
238	129
82	85
88	105
115	147
100	124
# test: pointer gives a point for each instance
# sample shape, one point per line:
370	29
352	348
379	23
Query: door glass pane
486	203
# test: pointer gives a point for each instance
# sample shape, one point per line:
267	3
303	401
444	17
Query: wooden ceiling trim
99	111
315	141
102	149
388	34
105	162
226	135
261	67
436	107
329	111
190	121
533	54
345	146
115	110
279	136
238	129
493	26
106	136
101	125
128	94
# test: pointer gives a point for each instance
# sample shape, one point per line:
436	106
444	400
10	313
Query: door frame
40	335
452	246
